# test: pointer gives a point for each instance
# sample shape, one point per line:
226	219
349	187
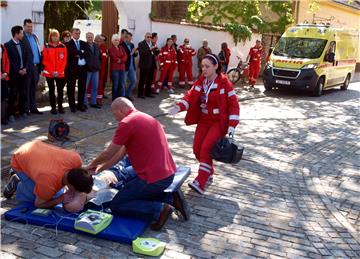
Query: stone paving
299	197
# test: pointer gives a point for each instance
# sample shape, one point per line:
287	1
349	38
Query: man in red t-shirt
143	139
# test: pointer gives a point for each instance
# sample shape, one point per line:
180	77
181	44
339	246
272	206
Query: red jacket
185	55
5	62
228	104
54	59
168	56
256	54
118	58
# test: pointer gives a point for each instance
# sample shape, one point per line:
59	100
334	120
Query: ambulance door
330	61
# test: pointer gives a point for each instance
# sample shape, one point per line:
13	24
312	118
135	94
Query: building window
38	17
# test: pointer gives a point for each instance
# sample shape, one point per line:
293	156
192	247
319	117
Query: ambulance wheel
233	75
268	87
319	87
346	83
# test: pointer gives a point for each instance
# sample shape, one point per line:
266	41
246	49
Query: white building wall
15	13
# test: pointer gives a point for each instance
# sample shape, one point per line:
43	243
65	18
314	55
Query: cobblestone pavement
299	199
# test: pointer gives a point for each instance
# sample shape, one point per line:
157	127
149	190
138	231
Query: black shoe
11	186
61	110
28	114
82	109
141	96
105	97
180	204
129	98
53	111
164	215
73	110
36	111
150	95
95	106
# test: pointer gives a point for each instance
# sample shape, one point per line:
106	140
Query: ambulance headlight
310	66
269	64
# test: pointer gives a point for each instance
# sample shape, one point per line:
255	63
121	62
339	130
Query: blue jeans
25	189
118	81
225	68
141	200
131	74
92	77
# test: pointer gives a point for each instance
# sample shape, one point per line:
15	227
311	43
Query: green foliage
229	13
61	15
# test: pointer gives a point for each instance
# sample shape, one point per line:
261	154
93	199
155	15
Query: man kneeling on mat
143	139
41	173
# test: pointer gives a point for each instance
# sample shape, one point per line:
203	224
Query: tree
241	17
61	15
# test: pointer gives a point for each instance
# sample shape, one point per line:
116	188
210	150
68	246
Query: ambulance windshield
294	47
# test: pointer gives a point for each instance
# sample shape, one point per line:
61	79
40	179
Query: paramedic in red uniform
254	58
54	64
143	139
186	52
168	63
213	105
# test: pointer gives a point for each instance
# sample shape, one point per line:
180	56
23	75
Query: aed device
148	246
92	221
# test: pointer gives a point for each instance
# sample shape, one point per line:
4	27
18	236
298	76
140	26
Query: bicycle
240	72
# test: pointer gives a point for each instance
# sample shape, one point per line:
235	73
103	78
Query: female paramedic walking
212	104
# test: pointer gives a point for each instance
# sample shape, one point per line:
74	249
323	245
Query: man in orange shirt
41	172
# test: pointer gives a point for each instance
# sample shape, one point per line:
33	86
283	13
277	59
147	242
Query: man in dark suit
77	51
32	45
147	65
19	67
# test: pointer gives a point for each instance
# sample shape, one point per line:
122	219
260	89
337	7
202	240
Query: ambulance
313	58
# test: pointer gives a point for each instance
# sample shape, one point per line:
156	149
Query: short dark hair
173	36
27	21
214	60
103	35
124	31
80	179
16	30
129	33
153	35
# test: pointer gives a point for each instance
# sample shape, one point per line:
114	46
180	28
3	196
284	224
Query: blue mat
121	229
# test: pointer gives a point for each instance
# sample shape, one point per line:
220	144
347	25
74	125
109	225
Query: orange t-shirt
46	165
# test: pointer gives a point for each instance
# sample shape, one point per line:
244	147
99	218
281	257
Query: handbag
226	151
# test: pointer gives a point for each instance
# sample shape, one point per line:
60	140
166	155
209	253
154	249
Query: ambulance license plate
282	82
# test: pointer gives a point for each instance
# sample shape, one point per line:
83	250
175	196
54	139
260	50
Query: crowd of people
65	60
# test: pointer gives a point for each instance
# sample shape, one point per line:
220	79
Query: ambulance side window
330	54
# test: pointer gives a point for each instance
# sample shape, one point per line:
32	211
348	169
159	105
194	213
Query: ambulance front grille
287	73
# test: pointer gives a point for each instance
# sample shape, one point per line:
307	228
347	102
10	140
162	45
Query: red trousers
254	69
169	71
185	68
207	133
154	80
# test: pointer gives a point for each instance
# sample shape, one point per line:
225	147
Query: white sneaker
157	91
171	91
196	187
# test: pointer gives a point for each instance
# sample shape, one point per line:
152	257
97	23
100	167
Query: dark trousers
79	74
141	200
17	94
145	80
60	83
32	81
